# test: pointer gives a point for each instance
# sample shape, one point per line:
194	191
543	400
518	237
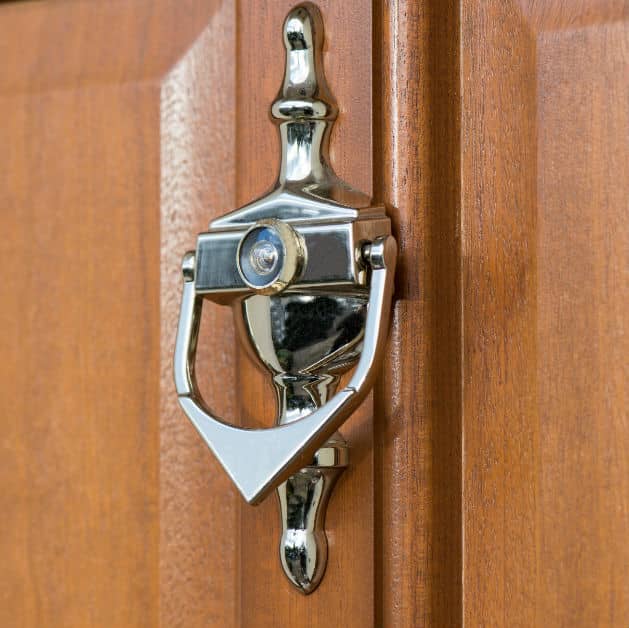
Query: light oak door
489	477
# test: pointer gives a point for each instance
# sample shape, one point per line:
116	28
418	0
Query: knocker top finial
306	188
305	93
304	109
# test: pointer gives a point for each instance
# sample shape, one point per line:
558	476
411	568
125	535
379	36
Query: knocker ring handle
258	460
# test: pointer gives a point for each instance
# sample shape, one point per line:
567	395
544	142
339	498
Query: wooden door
489	483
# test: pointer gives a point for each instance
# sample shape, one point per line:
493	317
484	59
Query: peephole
271	255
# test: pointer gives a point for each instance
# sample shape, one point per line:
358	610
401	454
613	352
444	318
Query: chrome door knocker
308	271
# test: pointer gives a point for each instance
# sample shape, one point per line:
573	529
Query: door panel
545	165
81	91
488	482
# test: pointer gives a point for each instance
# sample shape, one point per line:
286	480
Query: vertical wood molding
198	504
418	402
498	227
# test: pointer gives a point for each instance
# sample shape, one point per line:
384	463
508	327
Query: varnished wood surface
418	400
104	174
490	487
198	504
545	182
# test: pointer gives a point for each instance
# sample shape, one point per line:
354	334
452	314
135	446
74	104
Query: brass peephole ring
270	256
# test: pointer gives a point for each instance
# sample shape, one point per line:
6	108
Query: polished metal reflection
306	341
303	500
303	334
308	272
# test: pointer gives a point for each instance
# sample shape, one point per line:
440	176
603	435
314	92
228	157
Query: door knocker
308	272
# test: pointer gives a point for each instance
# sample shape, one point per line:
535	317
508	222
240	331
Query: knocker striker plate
308	272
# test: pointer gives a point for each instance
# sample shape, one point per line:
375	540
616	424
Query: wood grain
418	401
88	113
544	248
198	503
80	316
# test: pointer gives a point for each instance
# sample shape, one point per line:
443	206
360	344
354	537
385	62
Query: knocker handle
258	460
